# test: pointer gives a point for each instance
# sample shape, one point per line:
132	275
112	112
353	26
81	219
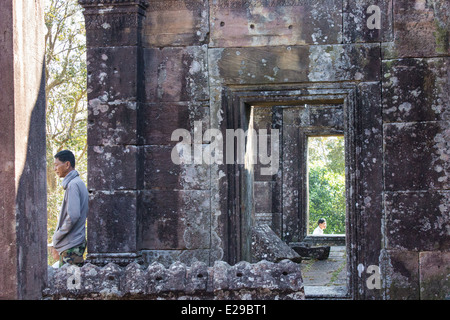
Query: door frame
235	102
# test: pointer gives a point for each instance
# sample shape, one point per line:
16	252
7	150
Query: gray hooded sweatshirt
71	228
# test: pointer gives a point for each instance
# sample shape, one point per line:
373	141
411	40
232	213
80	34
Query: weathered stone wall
23	213
164	65
115	97
156	66
416	100
244	281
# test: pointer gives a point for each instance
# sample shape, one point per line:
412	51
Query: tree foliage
327	183
66	91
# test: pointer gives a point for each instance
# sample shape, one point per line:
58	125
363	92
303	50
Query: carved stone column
115	97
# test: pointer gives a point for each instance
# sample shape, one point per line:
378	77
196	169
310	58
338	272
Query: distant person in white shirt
322	224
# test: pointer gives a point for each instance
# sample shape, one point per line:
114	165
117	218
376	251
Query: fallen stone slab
319	253
266	245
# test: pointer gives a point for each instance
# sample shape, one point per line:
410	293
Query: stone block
219	275
262	117
293	183
421	29
169	256
114	167
263	277
176	23
176	277
263	196
416	90
295	64
238	276
434	275
111	276
197	278
315	117
267	276
113	75
91	278
161	119
368	171
172	219
402	275
307	252
134	280
417	221
156	277
112	123
112	222
358	23
160	172
416	156
296	116
245	23
176	74
288	275
360	62
266	245
326	117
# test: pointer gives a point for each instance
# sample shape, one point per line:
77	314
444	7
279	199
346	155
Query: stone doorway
280	200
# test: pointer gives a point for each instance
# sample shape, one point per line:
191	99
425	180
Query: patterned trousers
72	256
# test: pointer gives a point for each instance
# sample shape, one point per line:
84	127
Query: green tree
65	94
326	165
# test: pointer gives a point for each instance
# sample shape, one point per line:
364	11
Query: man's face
323	225
61	168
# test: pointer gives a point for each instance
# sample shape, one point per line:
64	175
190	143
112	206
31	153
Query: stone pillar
416	137
115	97
23	214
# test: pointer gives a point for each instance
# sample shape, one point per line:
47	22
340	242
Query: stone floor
326	278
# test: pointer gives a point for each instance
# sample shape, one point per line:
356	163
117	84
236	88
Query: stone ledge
101	3
244	281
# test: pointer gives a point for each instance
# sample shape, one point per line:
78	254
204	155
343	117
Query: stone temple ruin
375	71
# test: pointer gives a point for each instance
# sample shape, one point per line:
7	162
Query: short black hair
66	155
321	220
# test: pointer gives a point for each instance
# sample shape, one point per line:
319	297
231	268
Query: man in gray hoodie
69	239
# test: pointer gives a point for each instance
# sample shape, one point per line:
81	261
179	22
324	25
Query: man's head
322	223
64	163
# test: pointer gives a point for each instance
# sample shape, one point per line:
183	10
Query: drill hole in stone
239	274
